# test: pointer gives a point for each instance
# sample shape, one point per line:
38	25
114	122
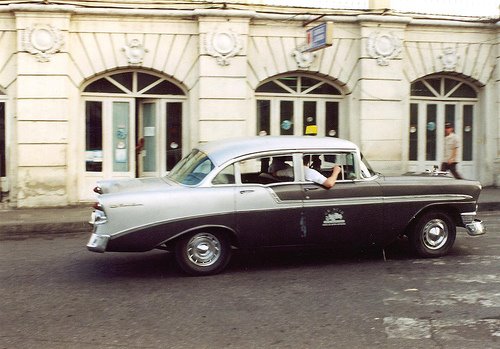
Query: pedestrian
451	146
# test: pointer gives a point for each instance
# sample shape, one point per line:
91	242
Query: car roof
225	150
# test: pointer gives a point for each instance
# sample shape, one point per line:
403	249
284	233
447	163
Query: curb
31	230
488	206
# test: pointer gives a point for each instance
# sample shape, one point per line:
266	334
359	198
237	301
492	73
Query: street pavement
26	222
54	294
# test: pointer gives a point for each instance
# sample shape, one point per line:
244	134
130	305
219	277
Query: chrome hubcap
203	249
435	234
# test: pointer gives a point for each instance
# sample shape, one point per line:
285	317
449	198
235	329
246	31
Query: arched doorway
435	101
133	126
298	105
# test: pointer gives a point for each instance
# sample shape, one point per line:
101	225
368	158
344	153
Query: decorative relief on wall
222	45
135	52
304	59
383	47
449	59
42	40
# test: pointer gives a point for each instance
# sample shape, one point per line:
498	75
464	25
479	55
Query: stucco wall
46	139
41	117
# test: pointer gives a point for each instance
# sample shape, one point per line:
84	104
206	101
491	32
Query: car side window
226	176
267	170
324	163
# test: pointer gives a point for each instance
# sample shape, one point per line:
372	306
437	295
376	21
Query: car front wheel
433	235
203	253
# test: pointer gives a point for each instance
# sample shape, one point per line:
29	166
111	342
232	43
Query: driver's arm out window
324	163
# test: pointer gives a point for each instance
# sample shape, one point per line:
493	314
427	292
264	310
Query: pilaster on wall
42	120
223	90
496	164
382	93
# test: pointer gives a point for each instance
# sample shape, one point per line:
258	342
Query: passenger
279	164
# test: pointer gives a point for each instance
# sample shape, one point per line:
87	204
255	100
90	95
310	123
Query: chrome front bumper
474	226
98	243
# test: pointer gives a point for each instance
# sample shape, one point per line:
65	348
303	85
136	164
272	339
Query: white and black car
225	195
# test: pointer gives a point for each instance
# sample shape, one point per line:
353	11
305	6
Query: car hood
132	185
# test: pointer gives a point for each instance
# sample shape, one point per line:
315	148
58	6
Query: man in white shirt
312	175
451	146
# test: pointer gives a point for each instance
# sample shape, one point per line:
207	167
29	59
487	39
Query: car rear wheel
203	253
433	235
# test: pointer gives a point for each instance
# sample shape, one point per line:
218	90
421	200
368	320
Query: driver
312	175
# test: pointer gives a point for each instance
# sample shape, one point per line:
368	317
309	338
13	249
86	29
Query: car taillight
98	190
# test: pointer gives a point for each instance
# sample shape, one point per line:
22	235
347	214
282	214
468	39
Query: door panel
309	118
287	114
3	152
348	214
148	136
298	116
173	131
161	132
121	135
109	142
270	215
426	135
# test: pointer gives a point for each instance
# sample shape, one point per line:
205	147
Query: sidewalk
24	223
489	200
27	222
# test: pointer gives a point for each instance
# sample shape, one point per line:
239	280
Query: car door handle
311	188
246	191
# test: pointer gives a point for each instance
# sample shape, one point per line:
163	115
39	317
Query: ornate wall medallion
42	40
222	45
135	52
383	47
304	59
449	59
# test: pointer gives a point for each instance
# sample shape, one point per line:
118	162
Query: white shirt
309	174
314	176
450	143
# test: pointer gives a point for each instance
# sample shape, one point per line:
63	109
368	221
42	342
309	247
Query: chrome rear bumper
98	243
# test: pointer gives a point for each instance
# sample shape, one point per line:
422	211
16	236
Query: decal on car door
334	217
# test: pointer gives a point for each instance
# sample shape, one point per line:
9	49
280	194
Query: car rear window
192	169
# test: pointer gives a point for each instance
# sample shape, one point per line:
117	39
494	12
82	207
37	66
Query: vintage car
225	195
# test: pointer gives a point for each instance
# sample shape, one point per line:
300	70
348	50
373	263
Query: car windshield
366	169
192	169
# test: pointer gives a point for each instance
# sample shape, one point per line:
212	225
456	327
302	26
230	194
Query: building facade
121	89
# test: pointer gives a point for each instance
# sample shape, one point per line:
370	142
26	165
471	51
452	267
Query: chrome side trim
368	200
433	197
344	202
